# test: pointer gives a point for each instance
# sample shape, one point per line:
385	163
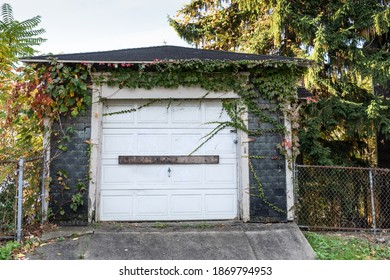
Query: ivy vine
67	90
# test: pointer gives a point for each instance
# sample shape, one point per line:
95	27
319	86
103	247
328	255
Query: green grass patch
331	247
13	250
7	249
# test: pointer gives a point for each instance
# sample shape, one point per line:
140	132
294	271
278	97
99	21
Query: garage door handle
169	172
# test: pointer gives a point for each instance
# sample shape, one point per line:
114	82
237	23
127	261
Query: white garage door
158	192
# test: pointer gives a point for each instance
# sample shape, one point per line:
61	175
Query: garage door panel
185	142
186	113
221	144
156	205
119	143
187	173
222	173
117	114
215	113
153	143
186	204
152	114
151	174
117	205
113	174
220	204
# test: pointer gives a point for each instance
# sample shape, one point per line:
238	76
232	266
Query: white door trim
47	124
243	171
95	154
105	92
289	171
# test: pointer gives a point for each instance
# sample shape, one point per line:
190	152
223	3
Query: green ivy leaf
63	108
74	112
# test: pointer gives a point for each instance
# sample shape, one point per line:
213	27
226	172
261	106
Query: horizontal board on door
168	159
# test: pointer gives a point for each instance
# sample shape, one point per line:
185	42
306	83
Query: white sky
97	25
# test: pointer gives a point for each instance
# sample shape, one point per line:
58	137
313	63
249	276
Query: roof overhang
82	61
165	54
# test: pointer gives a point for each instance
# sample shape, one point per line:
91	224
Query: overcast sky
95	25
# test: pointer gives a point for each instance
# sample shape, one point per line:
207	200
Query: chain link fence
8	188
25	175
342	198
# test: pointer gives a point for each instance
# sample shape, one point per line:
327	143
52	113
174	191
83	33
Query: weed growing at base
7	249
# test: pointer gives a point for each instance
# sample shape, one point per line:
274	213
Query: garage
138	114
153	191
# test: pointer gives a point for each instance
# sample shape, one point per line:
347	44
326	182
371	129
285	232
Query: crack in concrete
250	245
83	254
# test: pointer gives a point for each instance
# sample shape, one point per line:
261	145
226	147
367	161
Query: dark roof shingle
149	54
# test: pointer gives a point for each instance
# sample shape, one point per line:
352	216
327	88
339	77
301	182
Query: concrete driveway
178	241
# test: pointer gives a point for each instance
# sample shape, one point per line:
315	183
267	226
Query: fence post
295	190
372	202
43	216
295	170
20	200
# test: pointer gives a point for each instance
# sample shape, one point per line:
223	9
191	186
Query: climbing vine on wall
47	92
66	90
273	81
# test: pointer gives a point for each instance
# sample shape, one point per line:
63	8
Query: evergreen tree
349	41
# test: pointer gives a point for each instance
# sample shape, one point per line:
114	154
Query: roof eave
300	62
82	61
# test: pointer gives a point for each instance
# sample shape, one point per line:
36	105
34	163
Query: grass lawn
331	246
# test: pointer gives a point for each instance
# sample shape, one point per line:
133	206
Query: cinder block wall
75	163
271	170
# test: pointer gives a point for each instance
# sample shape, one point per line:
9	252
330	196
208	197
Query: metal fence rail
342	198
